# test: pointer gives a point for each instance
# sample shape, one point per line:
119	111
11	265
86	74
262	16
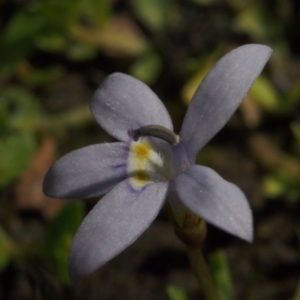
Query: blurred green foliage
59	237
176	293
221	275
168	44
18	109
8	249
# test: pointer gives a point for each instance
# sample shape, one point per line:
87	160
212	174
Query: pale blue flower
140	173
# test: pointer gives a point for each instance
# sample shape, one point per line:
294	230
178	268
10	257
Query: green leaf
97	11
18	108
220	272
176	292
7	249
258	23
281	185
41	76
265	95
59	15
51	42
59	237
19	36
81	52
273	187
157	15
16	152
147	67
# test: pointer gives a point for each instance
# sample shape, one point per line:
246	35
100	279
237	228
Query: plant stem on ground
201	272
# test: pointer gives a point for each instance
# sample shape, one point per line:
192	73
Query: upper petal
113	224
217	201
123	102
220	93
87	172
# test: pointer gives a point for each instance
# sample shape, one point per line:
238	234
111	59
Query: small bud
192	231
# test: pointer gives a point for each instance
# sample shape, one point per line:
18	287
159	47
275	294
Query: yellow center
144	163
141	151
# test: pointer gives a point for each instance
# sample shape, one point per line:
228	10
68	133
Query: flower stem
191	230
201	272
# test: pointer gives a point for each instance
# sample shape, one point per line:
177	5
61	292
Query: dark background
54	54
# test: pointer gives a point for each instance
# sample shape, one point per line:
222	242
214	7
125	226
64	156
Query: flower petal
113	224
217	201
123	102
87	172
220	93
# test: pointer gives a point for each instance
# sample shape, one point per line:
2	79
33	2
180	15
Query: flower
151	163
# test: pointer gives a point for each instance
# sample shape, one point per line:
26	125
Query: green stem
191	230
201	272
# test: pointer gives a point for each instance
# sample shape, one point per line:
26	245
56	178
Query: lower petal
113	224
217	201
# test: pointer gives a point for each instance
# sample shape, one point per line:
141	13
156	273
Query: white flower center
148	163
